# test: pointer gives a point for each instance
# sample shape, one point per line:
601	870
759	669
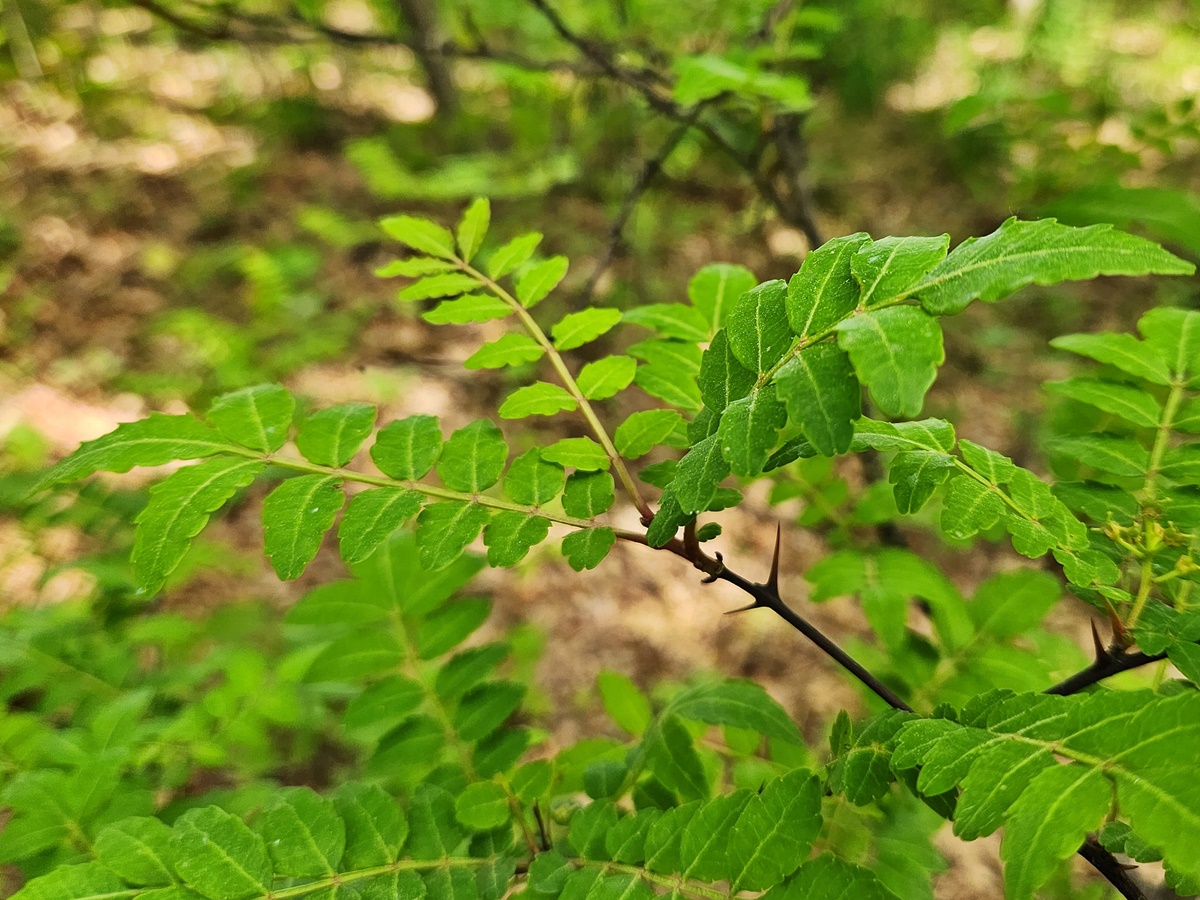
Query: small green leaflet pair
1051	770
247	428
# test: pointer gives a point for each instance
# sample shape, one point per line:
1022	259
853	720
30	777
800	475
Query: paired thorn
746	608
772	583
717	569
1102	652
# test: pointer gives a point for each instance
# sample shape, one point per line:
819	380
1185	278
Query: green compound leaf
578	453
889	267
645	430
372	517
445	529
295	517
749	429
1108	453
698	475
356	656
420	234
178	510
375	825
473	458
139	850
995	467
722	378
1175	335
606	377
758	328
407	448
388	701
509	350
583	327
588	494
532	481
775	831
255	417
715	288
331	437
1122	351
970	507
485	708
926	434
217	856
1128	749
414	267
831	878
1041	252
585	549
625	704
513	255
915	475
742	704
536	284
153	441
671	383
510	535
482	806
303	832
673	320
825	291
450	625
447	284
1129	403
822	395
896	353
471	308
472	228
537	399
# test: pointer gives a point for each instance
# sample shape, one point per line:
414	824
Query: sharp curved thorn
746	608
772	583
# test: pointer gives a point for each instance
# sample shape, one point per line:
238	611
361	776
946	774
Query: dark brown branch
1113	661
1111	868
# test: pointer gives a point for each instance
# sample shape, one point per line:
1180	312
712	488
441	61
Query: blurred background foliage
188	193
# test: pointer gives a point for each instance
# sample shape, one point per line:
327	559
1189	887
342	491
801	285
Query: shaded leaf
407	448
896	353
822	395
473	458
445	529
372	517
295	517
331	437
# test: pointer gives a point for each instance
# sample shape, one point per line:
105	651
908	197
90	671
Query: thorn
746	608
772	584
716	572
1101	651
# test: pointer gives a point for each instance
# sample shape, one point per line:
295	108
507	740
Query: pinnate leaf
579	328
579	453
588	494
447	284
1130	403
1123	351
445	529
472	228
1042	252
644	430
587	548
896	353
331	437
533	481
536	284
509	350
699	473
742	704
889	267
483	806
375	825
255	417
970	507
420	234
153	441
178	510
538	399
371	518
759	334
510	535
715	288
295	517
722	378
749	429
473	458
825	291
303	832
606	377
673	320
1175	336
822	395
471	308
407	448
513	255
624	703
775	830
217	856
138	850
